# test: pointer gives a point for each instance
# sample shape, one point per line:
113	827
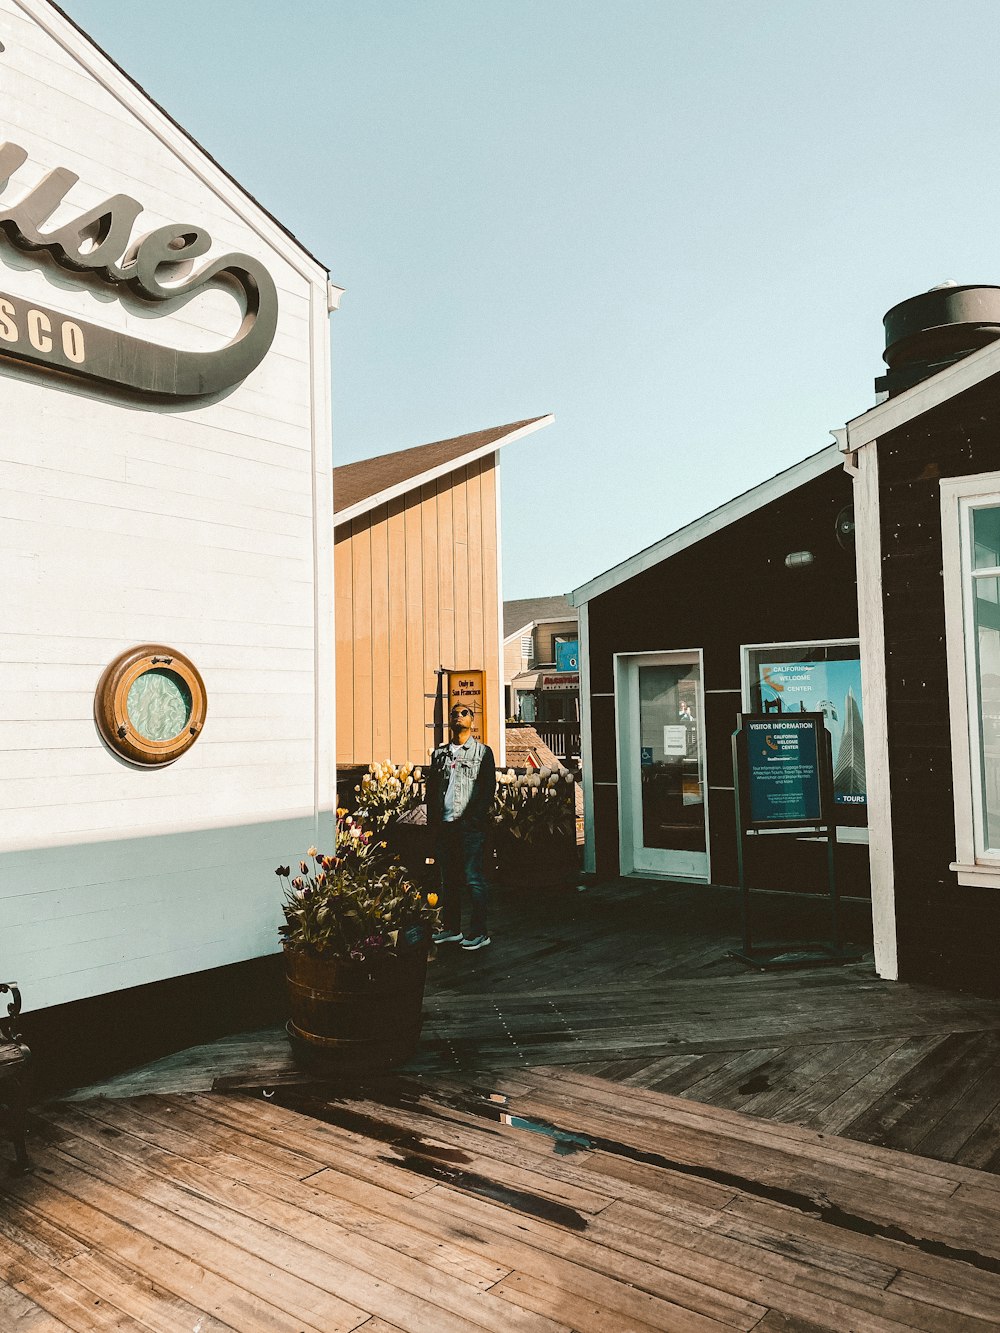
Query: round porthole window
150	705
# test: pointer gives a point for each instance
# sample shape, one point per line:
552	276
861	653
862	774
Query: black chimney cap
926	333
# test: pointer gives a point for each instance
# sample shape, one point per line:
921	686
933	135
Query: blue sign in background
568	655
783	768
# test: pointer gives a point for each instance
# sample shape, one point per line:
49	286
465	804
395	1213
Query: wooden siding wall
731	588
416	588
513	660
203	525
947	932
543	639
546	635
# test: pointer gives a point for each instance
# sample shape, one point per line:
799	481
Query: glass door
663	812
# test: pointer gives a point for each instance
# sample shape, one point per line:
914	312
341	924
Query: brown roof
356	482
526	749
528	610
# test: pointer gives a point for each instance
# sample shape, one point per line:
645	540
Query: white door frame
623	662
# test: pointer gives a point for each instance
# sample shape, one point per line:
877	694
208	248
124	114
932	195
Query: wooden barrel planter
352	1017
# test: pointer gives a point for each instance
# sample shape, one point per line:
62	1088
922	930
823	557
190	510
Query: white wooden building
164	481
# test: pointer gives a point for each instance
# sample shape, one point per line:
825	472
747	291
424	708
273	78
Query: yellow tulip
432	900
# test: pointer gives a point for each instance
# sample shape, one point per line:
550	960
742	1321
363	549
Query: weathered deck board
681	1216
704	1190
835	1049
20	1313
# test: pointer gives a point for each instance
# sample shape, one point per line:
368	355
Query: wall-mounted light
798	559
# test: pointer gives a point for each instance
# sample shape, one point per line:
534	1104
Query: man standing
461	786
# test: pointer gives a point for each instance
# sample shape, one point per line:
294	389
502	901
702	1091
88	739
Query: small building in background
417	582
541	664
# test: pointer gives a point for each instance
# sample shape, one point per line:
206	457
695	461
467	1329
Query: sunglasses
461	712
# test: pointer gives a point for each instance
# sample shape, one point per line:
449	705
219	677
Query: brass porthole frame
111	705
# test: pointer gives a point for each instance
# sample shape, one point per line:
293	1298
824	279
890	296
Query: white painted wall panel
206	526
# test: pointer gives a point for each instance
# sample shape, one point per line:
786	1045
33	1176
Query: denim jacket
475	786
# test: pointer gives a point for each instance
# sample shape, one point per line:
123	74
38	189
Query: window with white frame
970	530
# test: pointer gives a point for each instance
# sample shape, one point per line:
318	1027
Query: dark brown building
763	598
755	603
927	486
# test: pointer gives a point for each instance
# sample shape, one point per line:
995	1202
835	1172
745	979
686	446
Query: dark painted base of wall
949	939
88	1040
953	974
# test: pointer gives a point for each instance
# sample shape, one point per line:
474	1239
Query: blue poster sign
568	655
783	769
645	756
833	689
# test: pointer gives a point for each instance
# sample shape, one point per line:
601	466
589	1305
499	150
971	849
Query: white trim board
501	748
547	620
973	865
871	631
431	474
730	512
587	746
920	398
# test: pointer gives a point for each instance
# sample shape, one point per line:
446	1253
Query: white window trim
845	835
624	751
959	497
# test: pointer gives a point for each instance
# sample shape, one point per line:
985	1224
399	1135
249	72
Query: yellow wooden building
418	587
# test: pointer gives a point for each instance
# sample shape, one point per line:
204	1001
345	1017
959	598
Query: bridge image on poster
833	689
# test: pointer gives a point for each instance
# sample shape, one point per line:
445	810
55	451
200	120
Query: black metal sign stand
813	817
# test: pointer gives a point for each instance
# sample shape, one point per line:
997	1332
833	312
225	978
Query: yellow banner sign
468	688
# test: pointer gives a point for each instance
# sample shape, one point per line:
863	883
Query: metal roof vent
928	332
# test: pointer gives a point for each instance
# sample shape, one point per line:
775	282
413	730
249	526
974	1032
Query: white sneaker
477	942
447	936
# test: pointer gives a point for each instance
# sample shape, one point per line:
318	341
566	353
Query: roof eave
431	474
741	506
879	420
38	11
533	624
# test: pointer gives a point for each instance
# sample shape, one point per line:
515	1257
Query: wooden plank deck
632	982
550	1201
610	1125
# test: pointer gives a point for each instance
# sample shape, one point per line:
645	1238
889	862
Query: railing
562	738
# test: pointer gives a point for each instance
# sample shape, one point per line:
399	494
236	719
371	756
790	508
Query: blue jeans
460	857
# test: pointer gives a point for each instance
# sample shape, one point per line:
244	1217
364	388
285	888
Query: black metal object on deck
805	810
15	1077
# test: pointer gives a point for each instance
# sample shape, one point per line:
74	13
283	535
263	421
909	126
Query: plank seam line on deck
824	1209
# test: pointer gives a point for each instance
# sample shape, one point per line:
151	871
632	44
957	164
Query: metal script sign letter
98	241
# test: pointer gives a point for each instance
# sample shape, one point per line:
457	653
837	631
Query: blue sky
676	224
